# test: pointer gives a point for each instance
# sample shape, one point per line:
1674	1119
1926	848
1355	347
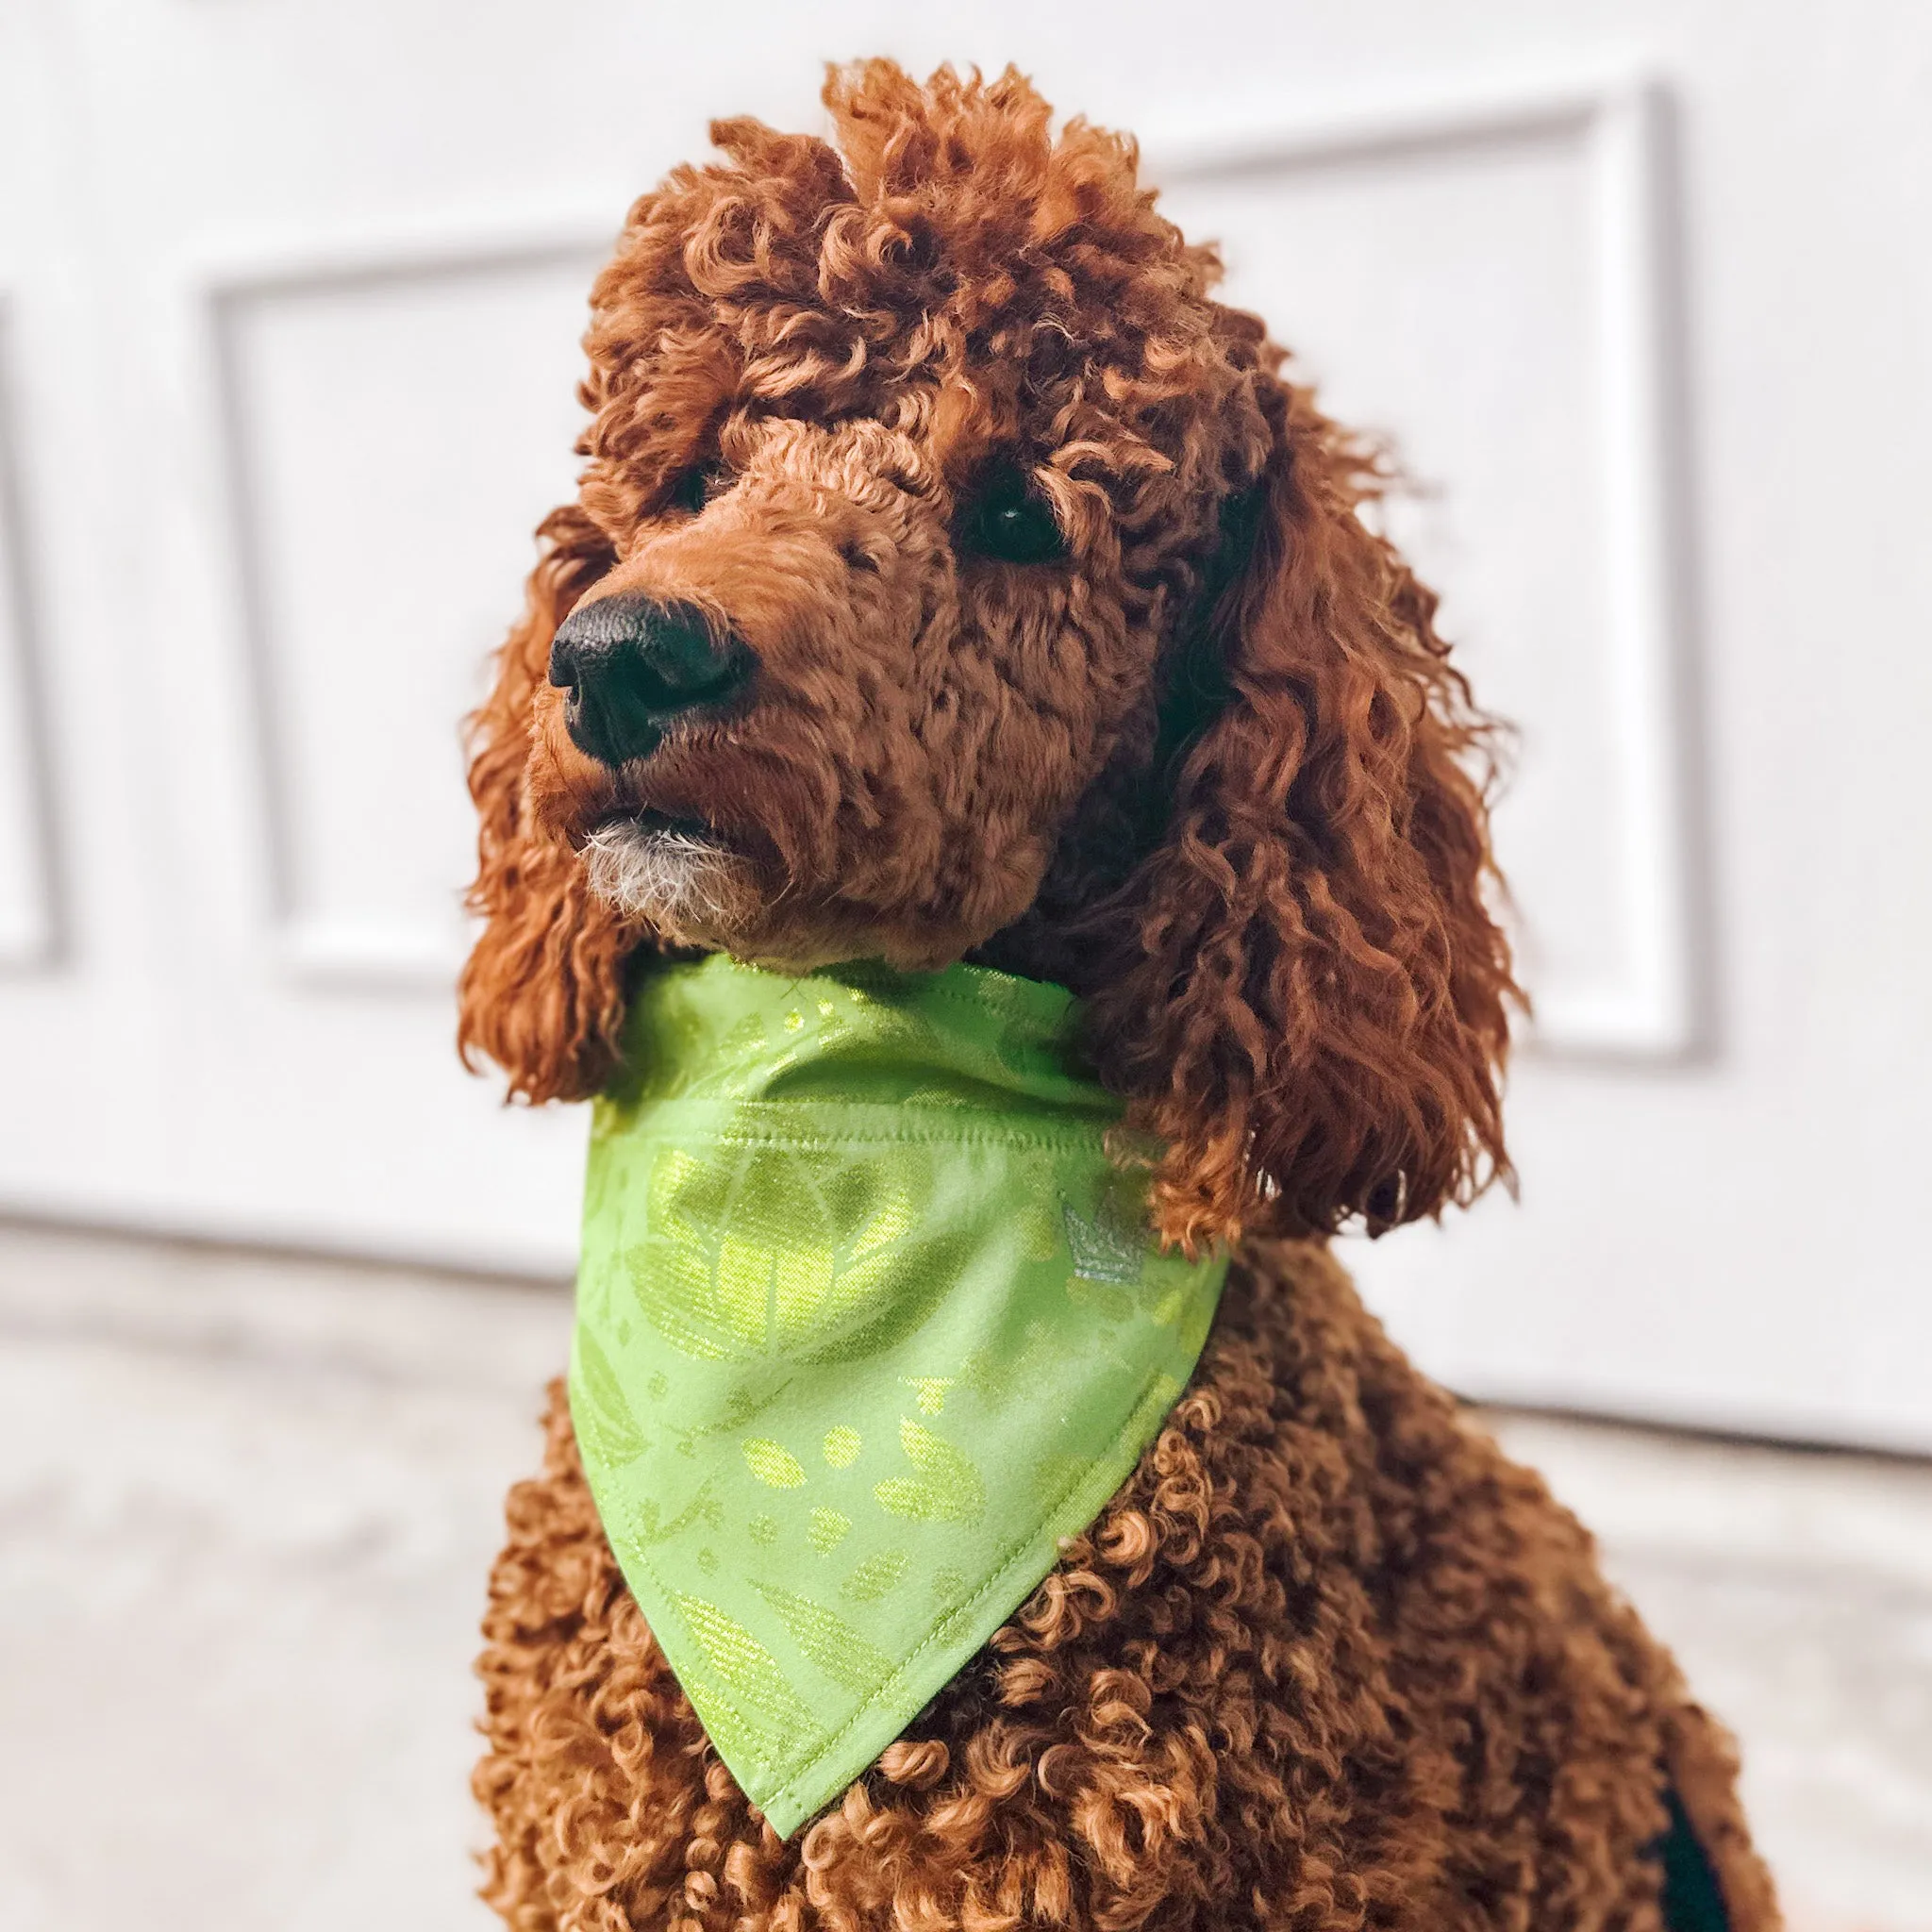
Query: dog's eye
691	489
1008	519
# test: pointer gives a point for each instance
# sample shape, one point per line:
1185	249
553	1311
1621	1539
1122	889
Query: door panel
1476	282
393	430
27	924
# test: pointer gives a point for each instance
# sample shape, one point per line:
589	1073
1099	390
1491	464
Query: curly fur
1328	1660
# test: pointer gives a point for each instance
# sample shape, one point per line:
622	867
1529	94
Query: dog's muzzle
632	667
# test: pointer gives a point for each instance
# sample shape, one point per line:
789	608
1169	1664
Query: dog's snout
632	665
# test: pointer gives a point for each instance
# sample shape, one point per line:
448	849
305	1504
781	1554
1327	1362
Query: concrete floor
246	1502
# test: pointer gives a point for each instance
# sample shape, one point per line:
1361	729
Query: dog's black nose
631	665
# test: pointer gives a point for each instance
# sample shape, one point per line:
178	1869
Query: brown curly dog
954	577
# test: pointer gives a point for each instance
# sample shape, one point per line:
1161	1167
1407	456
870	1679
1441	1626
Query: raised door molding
389	419
29	926
1635	986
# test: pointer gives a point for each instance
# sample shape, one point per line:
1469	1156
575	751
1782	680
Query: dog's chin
692	886
680	879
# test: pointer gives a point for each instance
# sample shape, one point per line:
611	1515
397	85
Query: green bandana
867	1321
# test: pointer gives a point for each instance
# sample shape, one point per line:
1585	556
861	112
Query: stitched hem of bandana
811	1141
989	990
966	1628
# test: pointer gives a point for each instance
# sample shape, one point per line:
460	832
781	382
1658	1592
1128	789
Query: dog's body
952	577
1327	1662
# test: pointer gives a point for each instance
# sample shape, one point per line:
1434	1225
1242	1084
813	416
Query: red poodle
955	588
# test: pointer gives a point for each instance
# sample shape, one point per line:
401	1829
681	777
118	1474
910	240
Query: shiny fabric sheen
867	1321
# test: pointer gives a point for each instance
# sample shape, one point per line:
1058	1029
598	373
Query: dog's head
950	575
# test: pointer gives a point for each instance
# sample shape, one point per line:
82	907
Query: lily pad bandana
867	1321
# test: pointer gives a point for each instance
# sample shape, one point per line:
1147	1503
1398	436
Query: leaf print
946	1489
598	1178
1108	1303
773	1463
686	1188
931	1392
732	1416
829	1641
1169	1308
705	1302
604	1414
842	1446
874	1204
762	1250
758	1714
1040	1233
910	1284
874	1577
828	1530
672	1280
641	1523
737	1059
998	1371
761	1277
1191	1335
869	1212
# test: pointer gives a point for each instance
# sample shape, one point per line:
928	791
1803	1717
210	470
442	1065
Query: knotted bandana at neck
867	1321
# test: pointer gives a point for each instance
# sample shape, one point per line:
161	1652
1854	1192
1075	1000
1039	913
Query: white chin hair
670	877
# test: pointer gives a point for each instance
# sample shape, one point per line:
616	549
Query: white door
288	309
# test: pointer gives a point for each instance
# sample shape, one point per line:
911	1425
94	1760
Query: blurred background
1641	292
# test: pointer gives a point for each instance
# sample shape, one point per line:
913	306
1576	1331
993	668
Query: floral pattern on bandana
868	1321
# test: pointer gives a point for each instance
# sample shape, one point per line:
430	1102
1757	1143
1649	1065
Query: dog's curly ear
541	993
1313	1014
